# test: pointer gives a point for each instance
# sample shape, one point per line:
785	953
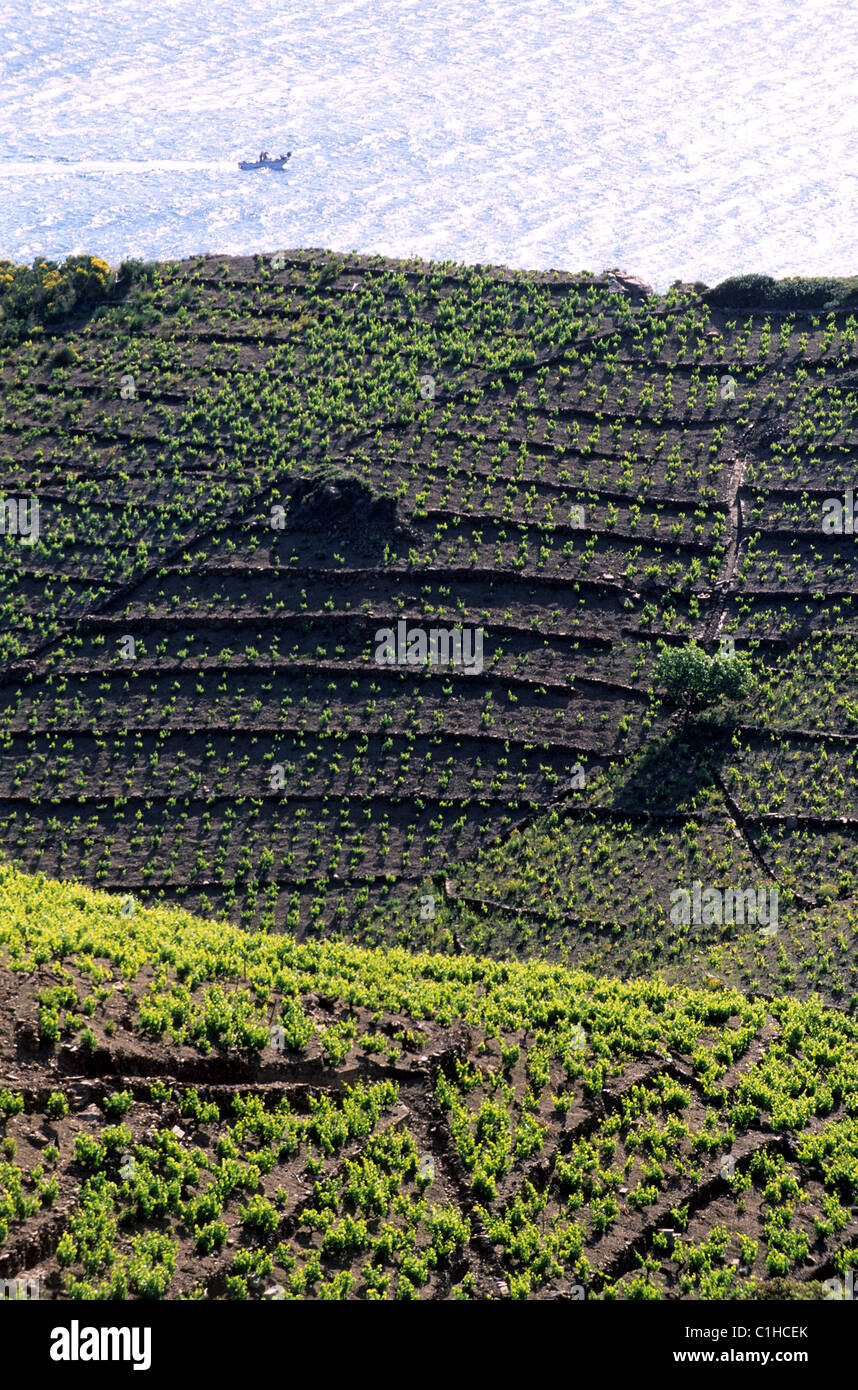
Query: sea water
674	138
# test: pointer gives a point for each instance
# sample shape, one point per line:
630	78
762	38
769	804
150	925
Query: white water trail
14	168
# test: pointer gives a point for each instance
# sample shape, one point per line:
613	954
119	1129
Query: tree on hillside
691	678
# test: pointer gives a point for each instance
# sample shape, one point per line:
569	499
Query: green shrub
48	291
211	1236
795	292
11	1103
260	1215
118	1104
57	1106
64	356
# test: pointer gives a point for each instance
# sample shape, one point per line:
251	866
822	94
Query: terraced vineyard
240	495
193	1111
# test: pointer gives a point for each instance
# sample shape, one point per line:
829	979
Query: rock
632	284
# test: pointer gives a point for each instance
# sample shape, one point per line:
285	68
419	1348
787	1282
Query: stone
632	284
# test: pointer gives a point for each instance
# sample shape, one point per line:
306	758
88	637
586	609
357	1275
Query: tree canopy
691	678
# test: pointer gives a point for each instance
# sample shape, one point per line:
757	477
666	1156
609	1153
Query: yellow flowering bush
47	291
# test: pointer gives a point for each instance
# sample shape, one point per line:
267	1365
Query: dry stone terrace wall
191	704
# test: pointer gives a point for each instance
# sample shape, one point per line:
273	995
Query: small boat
265	161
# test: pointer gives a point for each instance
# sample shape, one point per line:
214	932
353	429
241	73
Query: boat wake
60	165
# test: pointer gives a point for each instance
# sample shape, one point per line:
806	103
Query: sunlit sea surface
675	140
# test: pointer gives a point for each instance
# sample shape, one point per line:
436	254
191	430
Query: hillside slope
193	1111
249	470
